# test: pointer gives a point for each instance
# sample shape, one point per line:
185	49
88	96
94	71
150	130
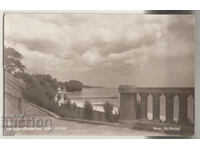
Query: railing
92	97
128	103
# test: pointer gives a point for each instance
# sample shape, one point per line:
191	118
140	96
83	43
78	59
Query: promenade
70	128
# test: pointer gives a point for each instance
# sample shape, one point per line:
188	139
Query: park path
71	128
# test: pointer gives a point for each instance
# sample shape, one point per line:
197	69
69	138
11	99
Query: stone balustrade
128	103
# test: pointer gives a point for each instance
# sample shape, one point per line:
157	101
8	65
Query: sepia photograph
98	74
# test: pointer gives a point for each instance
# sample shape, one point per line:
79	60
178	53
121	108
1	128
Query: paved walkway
70	128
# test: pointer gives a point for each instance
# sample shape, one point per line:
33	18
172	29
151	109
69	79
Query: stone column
144	105
127	103
183	108
169	108
156	106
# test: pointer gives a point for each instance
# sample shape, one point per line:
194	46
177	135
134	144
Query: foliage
108	108
73	85
74	106
65	97
88	110
188	122
61	84
40	89
68	104
12	60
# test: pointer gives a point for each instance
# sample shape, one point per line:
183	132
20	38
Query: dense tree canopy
12	60
73	85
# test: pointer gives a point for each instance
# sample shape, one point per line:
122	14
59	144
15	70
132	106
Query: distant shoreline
89	86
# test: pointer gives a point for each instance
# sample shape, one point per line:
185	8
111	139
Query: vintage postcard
98	74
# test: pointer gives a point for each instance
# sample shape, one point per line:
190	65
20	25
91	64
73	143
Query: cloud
182	28
81	46
92	56
41	45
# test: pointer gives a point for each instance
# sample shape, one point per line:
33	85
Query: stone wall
13	95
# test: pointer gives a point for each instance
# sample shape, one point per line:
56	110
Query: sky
106	49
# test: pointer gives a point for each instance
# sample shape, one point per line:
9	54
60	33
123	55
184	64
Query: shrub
62	110
52	106
88	110
65	97
74	106
68	104
108	108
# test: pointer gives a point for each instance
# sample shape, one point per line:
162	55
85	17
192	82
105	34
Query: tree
74	106
108	108
74	85
88	110
68	104
61	85
12	60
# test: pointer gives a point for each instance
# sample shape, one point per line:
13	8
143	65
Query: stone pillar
127	103
156	106
183	108
169	108
144	105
